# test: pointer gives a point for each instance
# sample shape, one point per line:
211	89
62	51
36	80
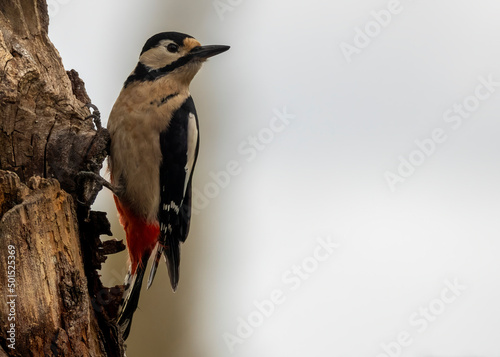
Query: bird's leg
90	184
101	181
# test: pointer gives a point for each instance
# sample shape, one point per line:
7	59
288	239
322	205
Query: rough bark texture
54	296
52	310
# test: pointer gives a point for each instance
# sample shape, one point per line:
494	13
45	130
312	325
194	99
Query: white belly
134	126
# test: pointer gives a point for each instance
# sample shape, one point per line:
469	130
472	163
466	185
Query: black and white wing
179	148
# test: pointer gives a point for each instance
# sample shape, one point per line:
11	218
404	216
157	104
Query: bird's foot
95	115
90	184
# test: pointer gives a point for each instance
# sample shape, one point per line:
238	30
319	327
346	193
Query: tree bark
53	301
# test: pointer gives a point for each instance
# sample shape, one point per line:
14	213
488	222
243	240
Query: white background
356	119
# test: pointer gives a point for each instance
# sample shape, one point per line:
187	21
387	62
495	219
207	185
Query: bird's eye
172	47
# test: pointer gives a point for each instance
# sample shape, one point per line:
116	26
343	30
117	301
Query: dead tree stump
53	303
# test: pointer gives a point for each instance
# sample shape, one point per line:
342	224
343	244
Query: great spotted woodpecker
154	145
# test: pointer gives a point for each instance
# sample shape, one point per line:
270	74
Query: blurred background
347	195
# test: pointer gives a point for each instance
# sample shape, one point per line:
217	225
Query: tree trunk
55	304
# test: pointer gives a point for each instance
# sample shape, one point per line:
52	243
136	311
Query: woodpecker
154	145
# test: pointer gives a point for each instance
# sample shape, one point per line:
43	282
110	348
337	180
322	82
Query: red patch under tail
142	236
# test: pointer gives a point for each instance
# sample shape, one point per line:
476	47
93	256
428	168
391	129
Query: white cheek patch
159	56
192	139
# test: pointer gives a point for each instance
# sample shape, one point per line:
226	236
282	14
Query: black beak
208	51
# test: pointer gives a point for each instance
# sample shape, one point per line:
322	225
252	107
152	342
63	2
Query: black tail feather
172	253
131	298
157	255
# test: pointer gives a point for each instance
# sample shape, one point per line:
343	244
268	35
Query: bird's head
172	53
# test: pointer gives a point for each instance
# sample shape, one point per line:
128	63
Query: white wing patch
192	138
166	228
172	205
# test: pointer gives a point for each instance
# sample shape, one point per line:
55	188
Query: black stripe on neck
142	74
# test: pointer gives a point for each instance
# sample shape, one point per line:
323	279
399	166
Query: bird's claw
90	184
95	115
